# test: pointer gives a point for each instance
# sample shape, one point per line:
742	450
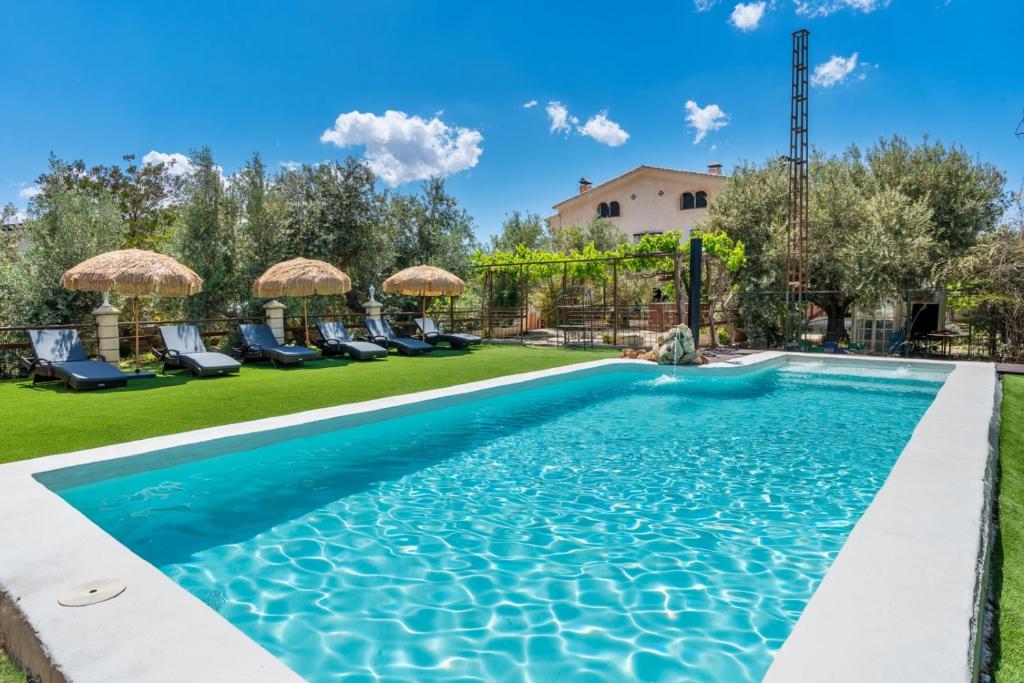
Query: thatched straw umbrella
301	277
134	273
424	281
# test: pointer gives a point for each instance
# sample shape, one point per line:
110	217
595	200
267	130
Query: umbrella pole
135	312
423	317
305	323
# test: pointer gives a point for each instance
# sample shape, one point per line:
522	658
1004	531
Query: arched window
602	210
702	200
686	201
613	210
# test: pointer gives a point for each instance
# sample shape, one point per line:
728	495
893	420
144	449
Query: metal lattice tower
799	156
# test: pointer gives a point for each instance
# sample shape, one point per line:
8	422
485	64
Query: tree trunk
836	312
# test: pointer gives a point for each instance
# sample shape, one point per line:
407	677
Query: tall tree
206	240
989	284
260	231
333	212
12	233
966	196
527	229
602	233
433	229
63	229
146	195
868	240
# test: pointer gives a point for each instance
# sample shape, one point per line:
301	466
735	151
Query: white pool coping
904	598
901	598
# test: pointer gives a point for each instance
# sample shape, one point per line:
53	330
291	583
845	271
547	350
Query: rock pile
672	347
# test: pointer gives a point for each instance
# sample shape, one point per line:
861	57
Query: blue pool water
616	527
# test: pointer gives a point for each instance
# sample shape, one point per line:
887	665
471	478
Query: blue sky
97	80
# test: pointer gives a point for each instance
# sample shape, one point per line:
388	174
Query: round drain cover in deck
91	592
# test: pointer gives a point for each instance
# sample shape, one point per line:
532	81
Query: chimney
714	168
584	185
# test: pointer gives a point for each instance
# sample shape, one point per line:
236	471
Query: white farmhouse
647	199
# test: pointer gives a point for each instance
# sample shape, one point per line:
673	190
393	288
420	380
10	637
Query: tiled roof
639	168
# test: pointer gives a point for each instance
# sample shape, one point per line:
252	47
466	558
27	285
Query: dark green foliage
146	195
229	229
527	229
205	239
879	223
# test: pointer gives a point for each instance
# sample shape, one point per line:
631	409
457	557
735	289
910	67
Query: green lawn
1009	551
8	672
48	419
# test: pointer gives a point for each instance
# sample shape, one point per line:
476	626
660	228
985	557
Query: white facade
647	199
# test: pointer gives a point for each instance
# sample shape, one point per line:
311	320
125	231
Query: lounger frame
49	370
275	354
457	340
176	359
354	349
407	346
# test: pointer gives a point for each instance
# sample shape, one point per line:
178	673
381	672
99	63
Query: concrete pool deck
903	600
899	602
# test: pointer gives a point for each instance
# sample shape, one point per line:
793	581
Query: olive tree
879	223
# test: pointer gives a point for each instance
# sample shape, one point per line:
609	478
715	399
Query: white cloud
704	120
530	105
823	8
290	165
177	163
604	130
704	5
561	120
746	16
834	71
16	218
29	191
402	148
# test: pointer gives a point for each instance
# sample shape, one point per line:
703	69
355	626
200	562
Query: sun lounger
338	342
432	334
382	335
60	356
184	349
259	343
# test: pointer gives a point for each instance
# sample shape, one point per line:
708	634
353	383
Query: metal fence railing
920	323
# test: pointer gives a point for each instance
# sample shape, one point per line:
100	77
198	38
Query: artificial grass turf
48	419
1009	552
8	672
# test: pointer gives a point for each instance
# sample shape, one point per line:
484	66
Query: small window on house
613	210
702	200
602	210
686	201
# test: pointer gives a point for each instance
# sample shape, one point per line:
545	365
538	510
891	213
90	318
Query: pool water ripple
611	528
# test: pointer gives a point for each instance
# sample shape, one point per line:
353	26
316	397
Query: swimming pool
616	526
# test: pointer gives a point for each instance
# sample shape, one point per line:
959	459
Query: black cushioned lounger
382	335
259	343
432	334
338	342
184	349
60	356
